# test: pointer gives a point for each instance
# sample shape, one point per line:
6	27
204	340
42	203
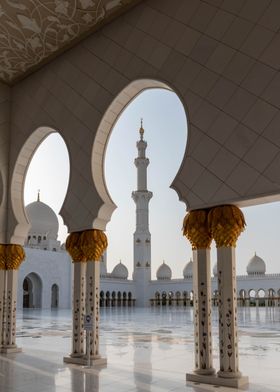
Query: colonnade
223	224
11	256
86	249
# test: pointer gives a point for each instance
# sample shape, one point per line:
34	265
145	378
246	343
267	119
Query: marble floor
148	350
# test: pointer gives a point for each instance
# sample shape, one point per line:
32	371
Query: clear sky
165	127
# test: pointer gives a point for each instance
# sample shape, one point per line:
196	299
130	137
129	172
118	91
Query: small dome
188	270
120	271
43	220
215	270
256	266
164	272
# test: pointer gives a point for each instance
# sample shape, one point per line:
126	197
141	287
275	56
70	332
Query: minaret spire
141	130
142	236
38	195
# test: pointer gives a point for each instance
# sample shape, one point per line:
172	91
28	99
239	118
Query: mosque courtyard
146	349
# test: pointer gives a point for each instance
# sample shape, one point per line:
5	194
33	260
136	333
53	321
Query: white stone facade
47	264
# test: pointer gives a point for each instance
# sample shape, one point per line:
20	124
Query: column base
205	372
215	380
10	350
97	361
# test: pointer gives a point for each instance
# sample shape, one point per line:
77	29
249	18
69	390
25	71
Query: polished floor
148	350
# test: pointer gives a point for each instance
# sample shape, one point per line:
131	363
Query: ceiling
34	31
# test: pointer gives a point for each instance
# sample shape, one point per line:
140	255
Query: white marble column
226	224
10	307
92	309
84	247
13	255
197	232
79	286
202	312
2	303
228	337
92	306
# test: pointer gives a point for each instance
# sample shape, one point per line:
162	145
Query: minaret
142	236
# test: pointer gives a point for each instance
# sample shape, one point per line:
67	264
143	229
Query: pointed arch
123	99
19	225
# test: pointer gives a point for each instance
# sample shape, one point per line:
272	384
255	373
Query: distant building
45	278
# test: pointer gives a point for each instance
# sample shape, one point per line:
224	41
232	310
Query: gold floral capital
2	257
226	223
87	245
195	229
93	244
73	247
11	256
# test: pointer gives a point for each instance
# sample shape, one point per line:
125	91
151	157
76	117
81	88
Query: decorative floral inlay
33	30
228	326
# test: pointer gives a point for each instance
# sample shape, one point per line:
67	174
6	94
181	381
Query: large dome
164	272
43	220
120	271
256	266
188	270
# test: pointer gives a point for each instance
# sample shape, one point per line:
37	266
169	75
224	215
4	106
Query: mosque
45	278
72	68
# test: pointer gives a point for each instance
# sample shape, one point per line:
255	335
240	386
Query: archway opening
252	296
32	291
261	297
164	121
55	296
43	176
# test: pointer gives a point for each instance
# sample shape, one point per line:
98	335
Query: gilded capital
14	256
87	245
226	223
2	257
73	247
93	243
195	228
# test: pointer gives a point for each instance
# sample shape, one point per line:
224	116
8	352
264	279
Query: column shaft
92	305
202	311
10	307
78	349
2	304
228	339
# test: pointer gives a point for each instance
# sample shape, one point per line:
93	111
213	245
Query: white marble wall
51	268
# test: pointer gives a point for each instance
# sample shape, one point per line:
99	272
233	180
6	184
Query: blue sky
165	127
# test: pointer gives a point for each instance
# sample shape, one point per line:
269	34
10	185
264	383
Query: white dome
256	265
188	270
164	272
43	220
120	271
215	270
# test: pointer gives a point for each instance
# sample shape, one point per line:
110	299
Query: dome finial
141	130
38	195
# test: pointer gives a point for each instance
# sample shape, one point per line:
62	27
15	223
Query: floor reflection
148	350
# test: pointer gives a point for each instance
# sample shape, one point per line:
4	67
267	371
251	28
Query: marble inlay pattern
31	31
